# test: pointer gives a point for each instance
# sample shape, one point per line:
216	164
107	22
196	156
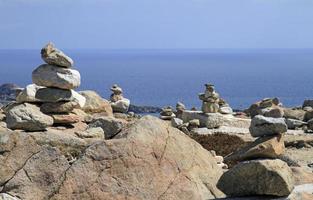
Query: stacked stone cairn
259	163
167	113
268	107
118	103
51	98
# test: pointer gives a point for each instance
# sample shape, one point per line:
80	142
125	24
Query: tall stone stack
212	103
118	102
210	99
51	98
260	163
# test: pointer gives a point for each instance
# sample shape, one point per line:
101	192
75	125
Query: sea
164	77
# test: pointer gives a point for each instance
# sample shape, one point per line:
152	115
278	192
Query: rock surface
27	117
28	94
154	161
66	118
261	126
297	114
151	161
96	104
264	147
53	76
258	177
96	132
54	56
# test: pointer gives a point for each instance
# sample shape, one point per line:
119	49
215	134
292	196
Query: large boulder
209	120
54	56
54	76
154	161
110	125
121	106
28	94
53	95
263	147
96	104
261	126
258	177
27	117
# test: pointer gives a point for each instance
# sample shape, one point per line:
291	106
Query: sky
156	24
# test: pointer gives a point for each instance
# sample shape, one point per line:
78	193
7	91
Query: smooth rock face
28	94
261	126
54	95
154	161
209	120
96	104
59	107
54	56
121	106
258	177
263	147
27	117
54	76
110	126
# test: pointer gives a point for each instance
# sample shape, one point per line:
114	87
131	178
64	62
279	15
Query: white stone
54	76
28	94
121	106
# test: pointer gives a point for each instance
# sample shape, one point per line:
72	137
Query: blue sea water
163	77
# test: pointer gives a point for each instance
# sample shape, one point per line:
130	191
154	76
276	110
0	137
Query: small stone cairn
51	98
212	103
268	107
118	103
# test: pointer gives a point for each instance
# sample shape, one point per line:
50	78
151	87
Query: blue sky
156	24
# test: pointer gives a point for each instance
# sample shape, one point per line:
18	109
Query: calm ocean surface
163	77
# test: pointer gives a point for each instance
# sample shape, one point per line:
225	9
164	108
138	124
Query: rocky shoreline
56	143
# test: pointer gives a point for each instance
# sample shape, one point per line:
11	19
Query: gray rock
258	177
28	94
53	76
27	117
209	120
121	106
261	126
310	124
54	56
53	95
176	122
307	103
293	123
59	107
110	125
92	132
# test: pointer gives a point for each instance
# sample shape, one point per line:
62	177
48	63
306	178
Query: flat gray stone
261	126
